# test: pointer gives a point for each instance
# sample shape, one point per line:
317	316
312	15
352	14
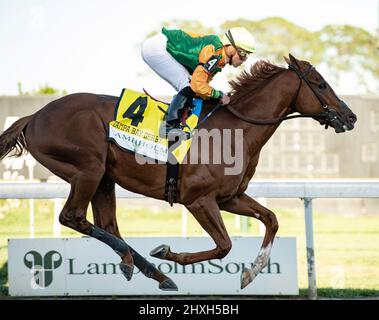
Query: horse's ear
292	59
287	60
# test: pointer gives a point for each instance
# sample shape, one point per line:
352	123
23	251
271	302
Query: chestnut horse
68	136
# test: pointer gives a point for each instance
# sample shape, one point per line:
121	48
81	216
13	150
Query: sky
94	45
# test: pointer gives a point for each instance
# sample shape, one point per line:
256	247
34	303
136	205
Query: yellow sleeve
201	78
194	34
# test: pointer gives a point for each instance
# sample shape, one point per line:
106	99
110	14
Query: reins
272	121
329	114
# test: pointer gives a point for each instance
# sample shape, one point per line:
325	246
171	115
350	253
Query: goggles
242	53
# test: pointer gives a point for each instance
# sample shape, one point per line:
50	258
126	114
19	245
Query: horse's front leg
246	206
207	213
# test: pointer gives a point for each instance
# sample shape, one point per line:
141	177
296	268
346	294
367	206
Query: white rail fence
261	189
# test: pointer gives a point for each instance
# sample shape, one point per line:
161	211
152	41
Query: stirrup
168	129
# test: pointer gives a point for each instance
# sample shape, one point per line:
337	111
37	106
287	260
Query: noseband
330	115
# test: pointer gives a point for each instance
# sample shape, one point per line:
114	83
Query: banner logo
42	267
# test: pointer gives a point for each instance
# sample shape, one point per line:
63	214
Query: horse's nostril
353	118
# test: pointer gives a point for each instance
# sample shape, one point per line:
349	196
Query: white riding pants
154	53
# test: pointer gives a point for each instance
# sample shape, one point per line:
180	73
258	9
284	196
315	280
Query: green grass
346	247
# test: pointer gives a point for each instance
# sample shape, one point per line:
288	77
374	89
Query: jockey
189	61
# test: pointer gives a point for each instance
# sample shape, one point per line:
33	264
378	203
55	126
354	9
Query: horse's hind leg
207	213
244	205
106	229
104	211
83	187
84	184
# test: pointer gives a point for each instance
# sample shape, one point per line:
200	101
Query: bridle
330	115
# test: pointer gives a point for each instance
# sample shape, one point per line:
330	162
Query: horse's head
315	95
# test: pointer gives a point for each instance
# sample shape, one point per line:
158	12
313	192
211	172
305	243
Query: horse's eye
322	86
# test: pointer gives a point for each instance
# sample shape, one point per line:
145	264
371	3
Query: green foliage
340	48
19	87
46	89
346	293
349	48
187	25
346	246
42	90
3	279
276	37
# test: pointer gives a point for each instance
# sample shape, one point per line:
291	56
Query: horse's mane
255	78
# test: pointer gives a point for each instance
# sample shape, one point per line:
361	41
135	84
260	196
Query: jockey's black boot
172	119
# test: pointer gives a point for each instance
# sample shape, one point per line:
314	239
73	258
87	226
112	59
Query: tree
276	37
42	90
341	49
351	49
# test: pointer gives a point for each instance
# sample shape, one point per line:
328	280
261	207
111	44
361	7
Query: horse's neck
273	101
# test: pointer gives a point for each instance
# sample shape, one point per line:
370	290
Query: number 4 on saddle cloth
138	118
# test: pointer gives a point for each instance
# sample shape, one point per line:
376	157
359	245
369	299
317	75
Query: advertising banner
86	266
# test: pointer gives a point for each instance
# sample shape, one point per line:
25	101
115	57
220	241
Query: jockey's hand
225	100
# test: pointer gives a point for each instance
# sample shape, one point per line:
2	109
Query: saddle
186	112
135	128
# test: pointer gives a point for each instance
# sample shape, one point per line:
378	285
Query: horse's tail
14	138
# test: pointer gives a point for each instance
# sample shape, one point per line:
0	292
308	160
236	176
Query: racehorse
68	136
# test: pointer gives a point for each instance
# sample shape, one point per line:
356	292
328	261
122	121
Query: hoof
160	252
127	270
246	277
168	285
